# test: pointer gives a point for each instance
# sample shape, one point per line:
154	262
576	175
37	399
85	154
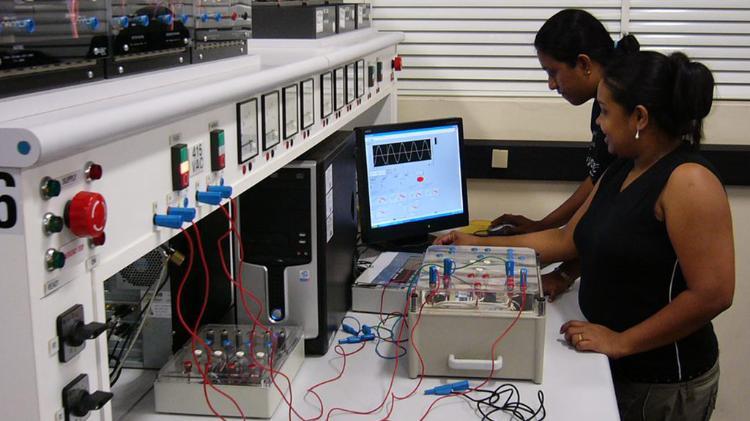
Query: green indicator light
221	138
183	154
52	223
53	188
59	260
50	188
54	259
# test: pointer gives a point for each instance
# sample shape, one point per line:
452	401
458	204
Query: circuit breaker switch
217	150
180	166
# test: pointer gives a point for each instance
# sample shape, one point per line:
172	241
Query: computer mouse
502	229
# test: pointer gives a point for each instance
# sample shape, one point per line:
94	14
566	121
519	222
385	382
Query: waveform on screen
401	152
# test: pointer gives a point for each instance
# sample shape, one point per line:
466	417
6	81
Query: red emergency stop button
86	214
397	63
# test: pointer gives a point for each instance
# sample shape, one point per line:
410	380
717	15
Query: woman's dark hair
677	92
571	32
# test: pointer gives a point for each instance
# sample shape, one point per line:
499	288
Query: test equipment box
466	297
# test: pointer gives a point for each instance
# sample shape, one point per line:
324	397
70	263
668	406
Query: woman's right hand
520	224
457	238
554	285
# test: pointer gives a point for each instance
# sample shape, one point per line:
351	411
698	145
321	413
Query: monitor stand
416	244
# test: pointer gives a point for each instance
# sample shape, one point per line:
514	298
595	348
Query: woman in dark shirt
573	47
655	242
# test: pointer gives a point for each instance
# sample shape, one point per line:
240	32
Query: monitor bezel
409	229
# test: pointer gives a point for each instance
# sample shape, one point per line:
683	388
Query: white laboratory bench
577	386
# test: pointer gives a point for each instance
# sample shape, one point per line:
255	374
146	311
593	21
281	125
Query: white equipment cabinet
129	129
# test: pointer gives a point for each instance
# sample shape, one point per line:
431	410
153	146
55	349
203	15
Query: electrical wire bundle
490	404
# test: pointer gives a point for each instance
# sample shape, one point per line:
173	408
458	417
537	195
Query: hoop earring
637	134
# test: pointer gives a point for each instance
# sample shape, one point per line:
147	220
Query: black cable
489	405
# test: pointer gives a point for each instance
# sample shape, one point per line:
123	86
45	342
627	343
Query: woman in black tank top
654	239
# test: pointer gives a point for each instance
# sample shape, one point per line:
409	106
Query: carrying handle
466	364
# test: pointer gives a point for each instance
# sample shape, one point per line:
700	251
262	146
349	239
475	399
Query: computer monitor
411	180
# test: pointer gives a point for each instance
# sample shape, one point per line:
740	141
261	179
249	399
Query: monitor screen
411	179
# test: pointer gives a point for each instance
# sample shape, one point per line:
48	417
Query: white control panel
92	177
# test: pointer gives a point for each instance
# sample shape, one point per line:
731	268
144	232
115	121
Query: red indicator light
420	179
397	63
99	240
93	171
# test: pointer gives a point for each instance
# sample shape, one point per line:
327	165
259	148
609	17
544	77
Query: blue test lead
367	330
447	389
350	340
367	337
348	329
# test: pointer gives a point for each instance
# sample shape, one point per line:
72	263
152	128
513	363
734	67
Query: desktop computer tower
298	230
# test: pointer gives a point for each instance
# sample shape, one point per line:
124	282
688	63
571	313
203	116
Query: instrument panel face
307	104
290	110
247	130
339	85
326	94
361	78
270	119
351	77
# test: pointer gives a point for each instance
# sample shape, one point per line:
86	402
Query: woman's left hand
585	336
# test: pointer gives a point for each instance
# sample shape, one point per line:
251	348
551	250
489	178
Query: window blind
485	47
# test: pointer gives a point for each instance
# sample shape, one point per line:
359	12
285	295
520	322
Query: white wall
552	119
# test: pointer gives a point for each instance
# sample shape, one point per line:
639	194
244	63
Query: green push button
54	259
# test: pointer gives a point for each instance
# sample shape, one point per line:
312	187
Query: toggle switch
168	221
208	197
187	214
224	191
78	401
121	21
73	333
143	20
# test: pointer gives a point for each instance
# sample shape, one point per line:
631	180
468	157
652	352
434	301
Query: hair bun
693	87
628	45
